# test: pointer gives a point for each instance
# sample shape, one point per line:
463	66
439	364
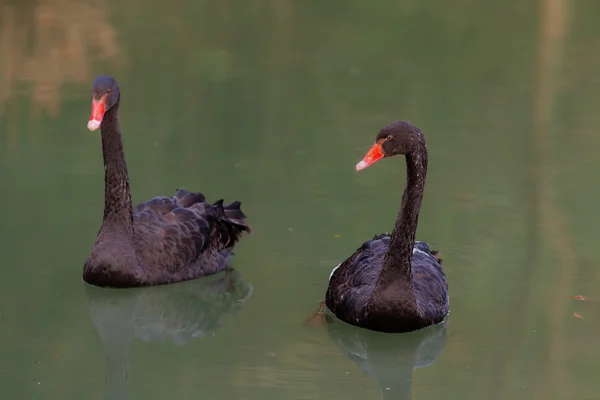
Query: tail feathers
233	214
226	233
186	199
229	218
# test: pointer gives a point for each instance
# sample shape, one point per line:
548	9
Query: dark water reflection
390	359
164	314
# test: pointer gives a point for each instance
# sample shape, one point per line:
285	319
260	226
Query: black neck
117	196
399	255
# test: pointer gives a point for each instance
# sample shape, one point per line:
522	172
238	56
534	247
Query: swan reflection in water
174	313
390	358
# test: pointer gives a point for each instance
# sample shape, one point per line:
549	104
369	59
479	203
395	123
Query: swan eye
108	91
389	137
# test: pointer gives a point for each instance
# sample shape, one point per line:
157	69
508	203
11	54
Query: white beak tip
361	165
93	124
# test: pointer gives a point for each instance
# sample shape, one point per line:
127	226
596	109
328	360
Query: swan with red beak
392	283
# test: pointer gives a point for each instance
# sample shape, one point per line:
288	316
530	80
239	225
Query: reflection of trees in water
45	44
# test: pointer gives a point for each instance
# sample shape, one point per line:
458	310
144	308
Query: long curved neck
398	258
117	196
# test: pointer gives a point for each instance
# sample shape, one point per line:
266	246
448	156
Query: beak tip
93	124
361	165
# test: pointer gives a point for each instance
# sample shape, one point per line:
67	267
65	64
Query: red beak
98	110
375	154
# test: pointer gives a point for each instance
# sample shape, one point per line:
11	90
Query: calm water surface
273	103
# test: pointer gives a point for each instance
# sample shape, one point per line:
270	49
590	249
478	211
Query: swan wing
174	232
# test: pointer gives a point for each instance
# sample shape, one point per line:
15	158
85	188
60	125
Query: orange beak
375	154
98	110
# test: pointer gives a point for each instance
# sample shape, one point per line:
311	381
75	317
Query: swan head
105	94
398	137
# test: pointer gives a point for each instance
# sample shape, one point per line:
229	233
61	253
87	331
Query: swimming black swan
392	283
166	239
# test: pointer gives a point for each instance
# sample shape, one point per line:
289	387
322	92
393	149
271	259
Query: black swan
161	241
392	283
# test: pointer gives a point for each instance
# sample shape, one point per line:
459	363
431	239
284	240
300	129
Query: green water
272	103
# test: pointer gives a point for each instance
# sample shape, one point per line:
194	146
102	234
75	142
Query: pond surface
272	103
